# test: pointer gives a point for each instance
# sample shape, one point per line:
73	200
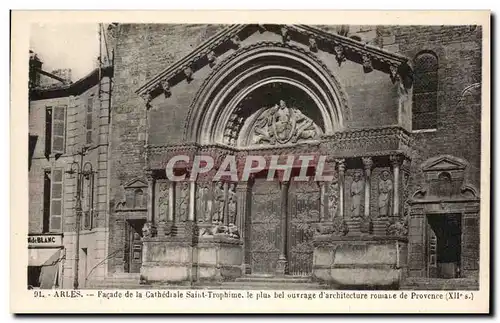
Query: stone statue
232	199
281	124
163	200
184	202
219	199
356	190
204	203
384	194
333	199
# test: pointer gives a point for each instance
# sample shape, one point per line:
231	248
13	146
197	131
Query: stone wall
142	51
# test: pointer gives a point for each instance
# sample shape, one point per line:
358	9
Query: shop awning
39	257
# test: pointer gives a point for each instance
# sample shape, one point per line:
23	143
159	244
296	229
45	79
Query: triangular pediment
136	183
444	163
343	48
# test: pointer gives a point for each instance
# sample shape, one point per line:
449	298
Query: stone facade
173	94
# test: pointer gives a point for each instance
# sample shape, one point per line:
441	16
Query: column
171	202
243	191
341	168
396	164
192	201
367	163
281	267
151	189
417	242
322	202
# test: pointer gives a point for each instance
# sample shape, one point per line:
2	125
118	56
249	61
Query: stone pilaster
243	192
341	169
416	242
151	190
396	165
368	164
192	201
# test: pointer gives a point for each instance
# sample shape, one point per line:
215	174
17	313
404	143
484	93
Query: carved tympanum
281	124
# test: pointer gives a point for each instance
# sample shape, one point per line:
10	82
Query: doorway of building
444	238
133	247
266	231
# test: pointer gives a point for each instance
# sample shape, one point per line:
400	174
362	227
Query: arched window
425	88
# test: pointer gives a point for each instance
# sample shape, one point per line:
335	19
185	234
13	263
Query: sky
74	46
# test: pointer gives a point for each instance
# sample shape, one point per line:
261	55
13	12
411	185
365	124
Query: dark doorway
444	245
133	245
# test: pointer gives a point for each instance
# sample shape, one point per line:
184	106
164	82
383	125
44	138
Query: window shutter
58	129
90	107
56	200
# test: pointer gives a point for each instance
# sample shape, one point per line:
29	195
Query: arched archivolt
261	71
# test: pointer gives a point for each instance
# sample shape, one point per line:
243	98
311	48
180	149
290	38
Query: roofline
393	62
202	49
78	87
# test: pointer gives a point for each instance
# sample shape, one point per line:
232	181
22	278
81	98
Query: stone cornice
375	142
344	48
187	61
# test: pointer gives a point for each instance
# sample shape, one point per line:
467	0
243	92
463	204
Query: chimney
34	70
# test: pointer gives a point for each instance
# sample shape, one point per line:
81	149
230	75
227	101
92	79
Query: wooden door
135	243
303	213
265	226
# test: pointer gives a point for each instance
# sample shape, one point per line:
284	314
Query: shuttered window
56	200
88	121
58	129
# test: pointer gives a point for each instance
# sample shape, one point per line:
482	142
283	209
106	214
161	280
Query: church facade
395	110
392	112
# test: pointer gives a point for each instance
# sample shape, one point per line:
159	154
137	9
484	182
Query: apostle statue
232	203
384	194
356	191
219	199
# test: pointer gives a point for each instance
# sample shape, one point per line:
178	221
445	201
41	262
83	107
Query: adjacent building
68	148
396	110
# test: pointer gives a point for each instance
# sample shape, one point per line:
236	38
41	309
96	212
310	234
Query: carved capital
313	45
396	160
165	86
367	163
341	165
339	54
149	174
367	63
